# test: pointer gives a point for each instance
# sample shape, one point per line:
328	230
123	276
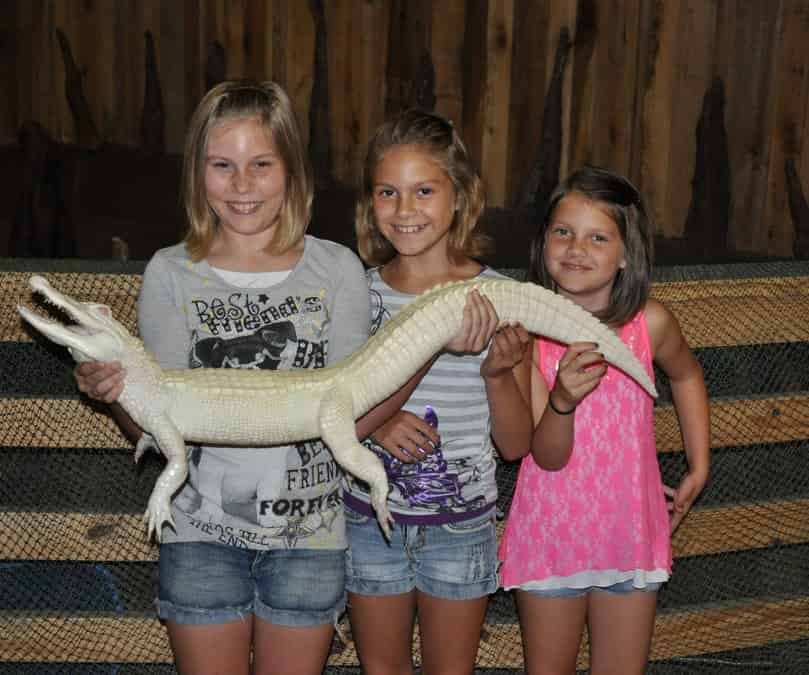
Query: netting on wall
77	575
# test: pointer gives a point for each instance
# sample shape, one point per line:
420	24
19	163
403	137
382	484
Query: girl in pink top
587	538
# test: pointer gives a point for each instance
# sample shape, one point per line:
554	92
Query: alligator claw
145	442
380	503
157	513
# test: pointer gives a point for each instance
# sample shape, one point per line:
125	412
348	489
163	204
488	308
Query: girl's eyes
261	164
387	193
565	232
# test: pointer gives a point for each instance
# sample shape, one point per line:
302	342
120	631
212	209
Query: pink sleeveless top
603	518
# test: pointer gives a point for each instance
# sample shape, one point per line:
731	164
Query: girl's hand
579	371
479	323
100	381
508	348
407	437
681	499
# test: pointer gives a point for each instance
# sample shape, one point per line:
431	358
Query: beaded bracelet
560	412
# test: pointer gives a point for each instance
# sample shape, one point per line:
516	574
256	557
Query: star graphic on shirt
295	528
264	298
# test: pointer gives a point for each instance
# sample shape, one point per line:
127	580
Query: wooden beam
497	76
775	419
446	47
657	64
121	537
790	90
742	527
144	640
57	423
82	537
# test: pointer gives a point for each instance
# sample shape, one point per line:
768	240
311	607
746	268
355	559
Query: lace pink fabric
602	519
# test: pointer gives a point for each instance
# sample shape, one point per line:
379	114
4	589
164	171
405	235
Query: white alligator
230	406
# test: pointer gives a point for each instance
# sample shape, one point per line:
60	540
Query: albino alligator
229	406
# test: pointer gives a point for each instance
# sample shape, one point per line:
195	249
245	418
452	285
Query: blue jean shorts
456	561
620	588
211	583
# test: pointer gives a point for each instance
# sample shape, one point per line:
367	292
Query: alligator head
95	336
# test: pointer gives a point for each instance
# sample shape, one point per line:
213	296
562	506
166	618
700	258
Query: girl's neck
416	274
247	254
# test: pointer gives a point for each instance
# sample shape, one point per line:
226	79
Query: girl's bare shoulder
660	320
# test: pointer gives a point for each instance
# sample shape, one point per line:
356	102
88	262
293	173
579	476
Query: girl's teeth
244	208
408	229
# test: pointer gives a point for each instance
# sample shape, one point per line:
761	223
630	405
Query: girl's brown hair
622	202
245	99
437	137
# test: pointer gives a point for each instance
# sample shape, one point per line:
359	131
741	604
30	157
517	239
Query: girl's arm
104	382
672	354
396	429
506	372
579	372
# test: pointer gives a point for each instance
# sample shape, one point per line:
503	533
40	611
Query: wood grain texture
637	76
119	537
144	640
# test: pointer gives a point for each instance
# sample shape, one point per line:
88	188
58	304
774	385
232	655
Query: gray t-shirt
457	481
190	317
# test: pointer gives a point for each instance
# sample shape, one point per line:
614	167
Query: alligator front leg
171	444
336	418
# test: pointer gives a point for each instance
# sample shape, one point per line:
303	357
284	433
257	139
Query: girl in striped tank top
416	225
587	537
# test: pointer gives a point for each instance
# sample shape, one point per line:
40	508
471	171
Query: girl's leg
299	596
290	650
551	629
450	633
382	628
620	627
212	649
456	572
205	596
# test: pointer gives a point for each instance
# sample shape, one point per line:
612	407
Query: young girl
256	563
587	537
417	225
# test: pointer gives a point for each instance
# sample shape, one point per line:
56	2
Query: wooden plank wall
634	85
75	584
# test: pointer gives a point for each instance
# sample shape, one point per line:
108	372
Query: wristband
557	411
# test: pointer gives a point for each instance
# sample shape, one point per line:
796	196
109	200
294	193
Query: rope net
77	575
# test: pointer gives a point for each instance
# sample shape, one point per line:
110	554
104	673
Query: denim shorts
620	588
211	583
456	561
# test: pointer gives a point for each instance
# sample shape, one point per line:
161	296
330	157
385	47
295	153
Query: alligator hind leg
336	420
